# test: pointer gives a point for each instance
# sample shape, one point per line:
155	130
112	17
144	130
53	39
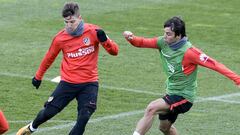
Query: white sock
31	127
136	133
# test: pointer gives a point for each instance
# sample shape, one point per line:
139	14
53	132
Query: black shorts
178	104
85	93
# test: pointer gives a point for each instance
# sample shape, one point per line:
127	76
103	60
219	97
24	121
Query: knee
86	112
50	111
150	110
166	129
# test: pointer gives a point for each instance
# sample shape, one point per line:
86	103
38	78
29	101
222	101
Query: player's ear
79	17
178	37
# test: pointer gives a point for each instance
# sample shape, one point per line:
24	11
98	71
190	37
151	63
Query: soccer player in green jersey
180	60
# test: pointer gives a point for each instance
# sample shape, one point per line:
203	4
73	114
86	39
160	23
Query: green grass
27	28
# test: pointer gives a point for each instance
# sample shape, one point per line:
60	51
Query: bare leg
152	109
144	124
167	128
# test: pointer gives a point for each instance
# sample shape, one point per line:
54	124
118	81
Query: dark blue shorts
85	94
178	104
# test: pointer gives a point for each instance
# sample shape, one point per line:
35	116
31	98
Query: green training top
177	82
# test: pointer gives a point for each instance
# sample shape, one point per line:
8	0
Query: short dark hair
177	25
70	9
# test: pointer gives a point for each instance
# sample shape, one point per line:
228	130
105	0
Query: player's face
169	36
72	22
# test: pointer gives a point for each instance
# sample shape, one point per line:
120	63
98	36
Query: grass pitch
127	82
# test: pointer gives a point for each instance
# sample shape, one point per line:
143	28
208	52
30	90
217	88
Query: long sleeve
144	42
48	60
196	57
110	46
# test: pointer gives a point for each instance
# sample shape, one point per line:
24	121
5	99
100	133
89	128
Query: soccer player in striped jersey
79	43
180	61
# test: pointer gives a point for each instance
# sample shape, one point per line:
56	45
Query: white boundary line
219	98
14	75
117	116
130	90
50	121
58	78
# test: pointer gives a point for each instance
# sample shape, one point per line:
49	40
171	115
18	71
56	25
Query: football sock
136	133
31	128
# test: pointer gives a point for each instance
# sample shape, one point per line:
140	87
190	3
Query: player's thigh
88	96
158	106
62	95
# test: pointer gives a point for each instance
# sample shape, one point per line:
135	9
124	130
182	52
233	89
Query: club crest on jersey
86	41
203	57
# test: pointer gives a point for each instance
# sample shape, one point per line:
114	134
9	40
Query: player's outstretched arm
140	41
195	56
128	35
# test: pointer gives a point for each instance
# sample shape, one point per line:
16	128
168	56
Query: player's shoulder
90	30
160	42
88	26
62	35
193	50
193	53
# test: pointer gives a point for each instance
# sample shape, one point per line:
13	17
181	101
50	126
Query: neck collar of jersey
175	46
78	31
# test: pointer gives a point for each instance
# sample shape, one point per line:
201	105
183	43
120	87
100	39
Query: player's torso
78	47
172	59
80	56
177	82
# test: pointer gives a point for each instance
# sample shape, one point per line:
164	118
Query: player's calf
83	117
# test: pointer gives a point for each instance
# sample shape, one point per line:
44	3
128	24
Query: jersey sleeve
48	59
144	42
110	46
195	56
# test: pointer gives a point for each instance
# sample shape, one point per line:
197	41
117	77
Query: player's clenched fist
36	83
128	35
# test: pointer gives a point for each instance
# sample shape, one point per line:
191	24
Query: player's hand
128	35
36	83
102	37
238	85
